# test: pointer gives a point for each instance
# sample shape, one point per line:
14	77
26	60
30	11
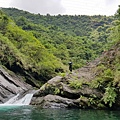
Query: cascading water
12	100
17	101
23	101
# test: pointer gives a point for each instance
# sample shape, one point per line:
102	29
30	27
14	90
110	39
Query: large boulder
56	93
10	85
54	101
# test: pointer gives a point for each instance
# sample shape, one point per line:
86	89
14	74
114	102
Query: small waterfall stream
12	100
19	100
23	101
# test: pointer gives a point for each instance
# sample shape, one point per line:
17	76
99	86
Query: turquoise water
36	113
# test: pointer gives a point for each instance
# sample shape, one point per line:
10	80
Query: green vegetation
109	96
108	79
38	47
76	84
77	38
57	91
22	53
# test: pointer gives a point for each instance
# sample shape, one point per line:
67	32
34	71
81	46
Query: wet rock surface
10	85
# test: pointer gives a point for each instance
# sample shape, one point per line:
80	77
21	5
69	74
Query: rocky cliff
96	85
11	85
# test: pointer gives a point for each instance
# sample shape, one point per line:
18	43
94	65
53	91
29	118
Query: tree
3	22
118	13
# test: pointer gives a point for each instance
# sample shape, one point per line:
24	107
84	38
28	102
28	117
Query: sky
69	7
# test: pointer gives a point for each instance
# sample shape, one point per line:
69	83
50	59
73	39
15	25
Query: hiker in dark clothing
70	66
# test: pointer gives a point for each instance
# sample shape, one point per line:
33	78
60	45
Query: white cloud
40	6
90	7
70	7
5	3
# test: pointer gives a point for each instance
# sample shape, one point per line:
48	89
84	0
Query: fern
109	95
76	84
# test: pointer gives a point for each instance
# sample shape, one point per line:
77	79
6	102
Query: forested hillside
23	54
77	38
37	46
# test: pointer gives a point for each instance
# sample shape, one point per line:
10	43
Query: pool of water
36	113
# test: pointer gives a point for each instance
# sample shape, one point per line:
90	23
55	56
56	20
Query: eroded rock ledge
10	85
56	93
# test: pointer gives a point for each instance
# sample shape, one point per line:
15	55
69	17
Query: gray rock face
54	101
56	93
10	85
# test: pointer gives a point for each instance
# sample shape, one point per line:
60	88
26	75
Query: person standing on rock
70	66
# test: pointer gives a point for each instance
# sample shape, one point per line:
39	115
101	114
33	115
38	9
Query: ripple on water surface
36	113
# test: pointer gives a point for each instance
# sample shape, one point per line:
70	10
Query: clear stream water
36	113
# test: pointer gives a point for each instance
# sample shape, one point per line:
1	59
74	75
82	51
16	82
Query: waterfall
23	101
12	100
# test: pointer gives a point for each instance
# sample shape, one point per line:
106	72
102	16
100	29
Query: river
36	113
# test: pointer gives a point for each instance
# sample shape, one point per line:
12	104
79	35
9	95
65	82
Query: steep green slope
22	53
103	75
77	38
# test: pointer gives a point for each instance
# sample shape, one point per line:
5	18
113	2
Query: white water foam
19	102
12	100
25	100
